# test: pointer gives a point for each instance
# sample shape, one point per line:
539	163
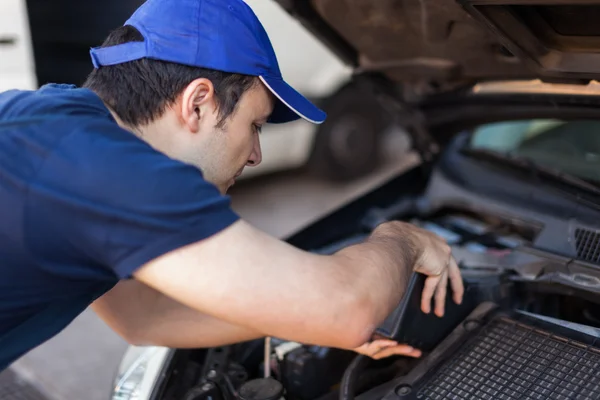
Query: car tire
347	144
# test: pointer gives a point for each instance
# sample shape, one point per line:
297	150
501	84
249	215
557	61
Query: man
114	194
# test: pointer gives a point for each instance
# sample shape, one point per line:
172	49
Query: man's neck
133	129
153	133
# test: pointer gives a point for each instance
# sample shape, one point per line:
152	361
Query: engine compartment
499	266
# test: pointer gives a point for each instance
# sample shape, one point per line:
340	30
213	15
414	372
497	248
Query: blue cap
223	35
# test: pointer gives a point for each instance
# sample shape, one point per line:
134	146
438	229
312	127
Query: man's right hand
427	253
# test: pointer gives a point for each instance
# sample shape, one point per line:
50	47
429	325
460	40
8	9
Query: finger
365	349
400	350
382	343
373	347
456	282
429	288
440	295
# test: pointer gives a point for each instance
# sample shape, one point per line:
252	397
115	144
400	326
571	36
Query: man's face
221	152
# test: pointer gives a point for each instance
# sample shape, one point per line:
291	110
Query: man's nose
256	155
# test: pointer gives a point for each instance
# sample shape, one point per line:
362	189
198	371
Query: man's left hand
382	348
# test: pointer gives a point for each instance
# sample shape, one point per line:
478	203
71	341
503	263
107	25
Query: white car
17	69
45	41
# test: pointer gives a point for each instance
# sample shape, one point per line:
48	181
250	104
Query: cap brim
290	104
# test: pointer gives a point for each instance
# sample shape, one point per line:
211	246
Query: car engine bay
510	290
528	326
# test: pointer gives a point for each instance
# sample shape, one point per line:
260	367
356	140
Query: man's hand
382	348
431	256
436	249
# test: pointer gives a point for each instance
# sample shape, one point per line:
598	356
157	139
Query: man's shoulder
85	152
59	125
66	122
50	102
63	138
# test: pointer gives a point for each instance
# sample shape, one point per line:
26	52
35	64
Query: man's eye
258	128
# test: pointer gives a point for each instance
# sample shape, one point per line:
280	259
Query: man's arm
247	278
144	316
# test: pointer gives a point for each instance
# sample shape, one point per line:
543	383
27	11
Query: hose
347	387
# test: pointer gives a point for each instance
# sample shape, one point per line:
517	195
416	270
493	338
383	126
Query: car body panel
306	63
446	43
17	67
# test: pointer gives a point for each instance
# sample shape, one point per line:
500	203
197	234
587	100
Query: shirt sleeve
104	197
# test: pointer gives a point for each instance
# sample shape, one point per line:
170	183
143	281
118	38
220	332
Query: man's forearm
144	316
377	267
179	326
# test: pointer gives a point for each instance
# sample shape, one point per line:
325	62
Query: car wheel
347	144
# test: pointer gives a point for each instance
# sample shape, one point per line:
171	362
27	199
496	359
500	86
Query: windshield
572	147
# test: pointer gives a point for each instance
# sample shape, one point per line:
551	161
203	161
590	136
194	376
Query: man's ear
197	102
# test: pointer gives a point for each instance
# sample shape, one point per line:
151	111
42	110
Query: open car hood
450	43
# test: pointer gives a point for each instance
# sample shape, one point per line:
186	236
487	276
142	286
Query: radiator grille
508	361
587	244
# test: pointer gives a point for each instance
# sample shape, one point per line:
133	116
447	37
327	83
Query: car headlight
138	372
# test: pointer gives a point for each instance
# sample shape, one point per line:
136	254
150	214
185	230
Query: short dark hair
140	91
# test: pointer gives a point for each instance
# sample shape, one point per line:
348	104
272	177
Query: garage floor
14	388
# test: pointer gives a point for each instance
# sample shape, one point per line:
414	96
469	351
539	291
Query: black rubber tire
347	144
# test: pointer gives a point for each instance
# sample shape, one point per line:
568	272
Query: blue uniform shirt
83	203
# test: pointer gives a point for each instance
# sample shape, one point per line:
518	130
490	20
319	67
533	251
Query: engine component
449	236
350	377
219	378
261	389
408	324
504	354
208	391
309	372
467	225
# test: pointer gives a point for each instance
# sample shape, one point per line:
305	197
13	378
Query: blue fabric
83	203
223	35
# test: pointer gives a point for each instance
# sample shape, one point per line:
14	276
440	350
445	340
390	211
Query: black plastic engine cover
408	324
